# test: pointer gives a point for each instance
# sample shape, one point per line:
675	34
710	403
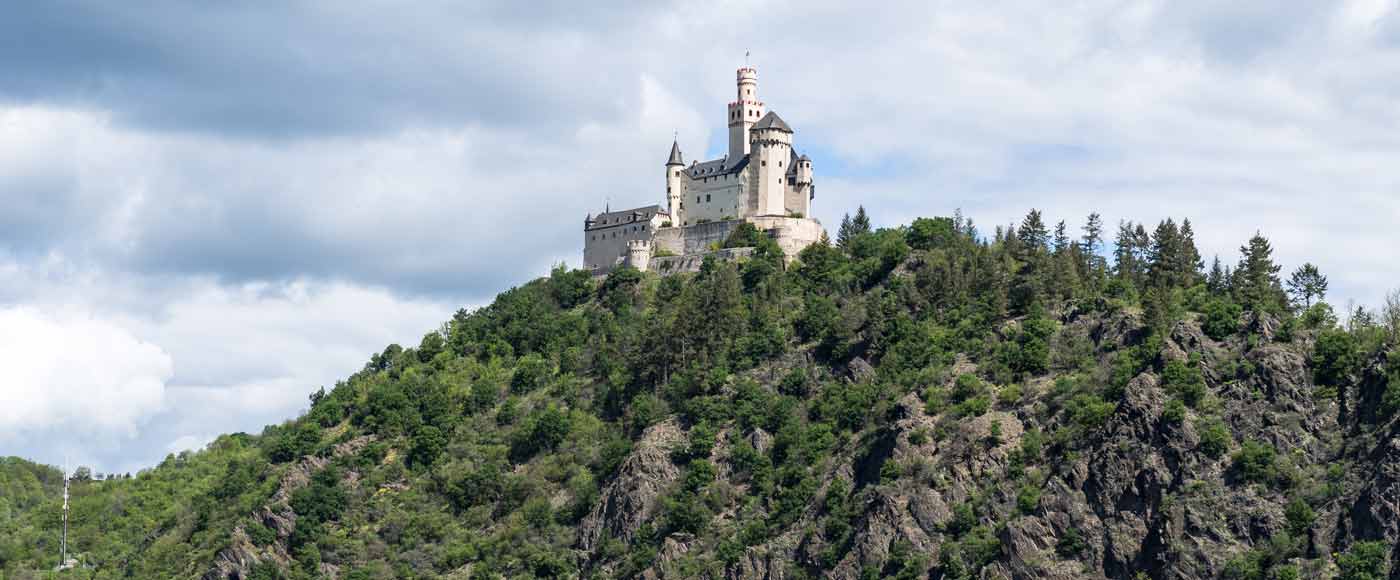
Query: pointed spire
675	154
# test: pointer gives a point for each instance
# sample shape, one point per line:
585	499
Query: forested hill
923	401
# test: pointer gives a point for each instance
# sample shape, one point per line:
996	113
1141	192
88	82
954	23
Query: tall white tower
771	143
674	166
743	113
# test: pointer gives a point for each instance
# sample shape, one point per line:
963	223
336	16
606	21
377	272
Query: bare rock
631	498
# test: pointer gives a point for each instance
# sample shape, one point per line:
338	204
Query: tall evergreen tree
1191	263
844	233
1163	256
1033	233
1126	263
860	224
1257	283
1218	282
1093	234
1061	238
1091	264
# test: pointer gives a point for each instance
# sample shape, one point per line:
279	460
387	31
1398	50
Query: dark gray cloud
317	68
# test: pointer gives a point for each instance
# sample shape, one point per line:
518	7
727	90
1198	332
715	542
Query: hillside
924	401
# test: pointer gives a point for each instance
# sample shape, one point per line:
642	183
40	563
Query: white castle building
761	180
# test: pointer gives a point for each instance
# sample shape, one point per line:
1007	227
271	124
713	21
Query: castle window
707	198
668	189
780	164
763	163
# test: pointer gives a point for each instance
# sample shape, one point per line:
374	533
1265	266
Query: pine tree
1257	283
1142	243
1163	255
1191	262
1032	233
844	233
1218	282
851	227
861	223
1091	264
1125	254
1093	234
1061	238
1307	283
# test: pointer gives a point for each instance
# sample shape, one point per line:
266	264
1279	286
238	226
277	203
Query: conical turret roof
675	154
772	121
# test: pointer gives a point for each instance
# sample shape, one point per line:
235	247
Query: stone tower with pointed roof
761	180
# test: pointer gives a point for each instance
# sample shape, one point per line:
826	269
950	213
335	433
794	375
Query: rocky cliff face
1154	488
239	559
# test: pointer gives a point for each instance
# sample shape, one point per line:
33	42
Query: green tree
1256	282
1335	355
428	444
1307	283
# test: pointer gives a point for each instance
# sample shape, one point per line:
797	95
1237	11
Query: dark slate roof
715	167
627	216
675	155
792	162
772	121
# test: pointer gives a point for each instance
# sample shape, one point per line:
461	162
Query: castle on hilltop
761	180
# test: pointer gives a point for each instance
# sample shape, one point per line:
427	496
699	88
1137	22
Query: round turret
638	254
748	84
743	112
674	166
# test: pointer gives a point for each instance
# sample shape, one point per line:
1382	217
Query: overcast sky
207	211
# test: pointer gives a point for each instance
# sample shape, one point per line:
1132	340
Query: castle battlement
760	180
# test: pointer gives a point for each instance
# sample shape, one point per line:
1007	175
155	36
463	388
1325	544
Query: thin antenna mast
63	554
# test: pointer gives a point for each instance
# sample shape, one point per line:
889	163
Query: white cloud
77	375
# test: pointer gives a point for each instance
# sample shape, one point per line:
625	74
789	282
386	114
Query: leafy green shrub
428	444
1255	462
1364	561
543	430
1184	381
1300	516
1089	411
1071	543
1222	319
1335	355
970	396
532	371
260	534
1215	437
1175	412
1028	498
